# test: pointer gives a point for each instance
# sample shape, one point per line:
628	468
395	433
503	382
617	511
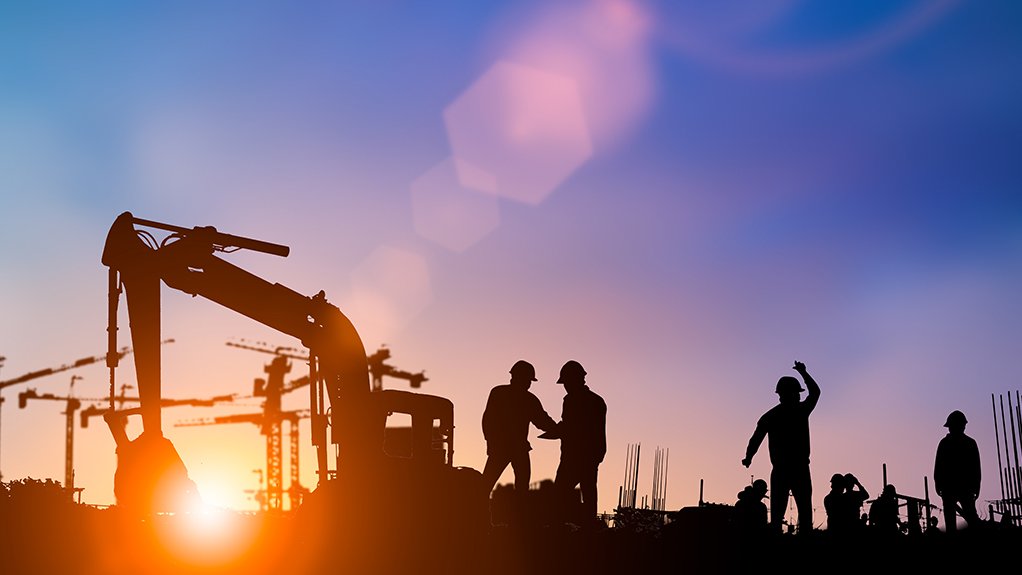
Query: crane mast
113	354
72	404
270	426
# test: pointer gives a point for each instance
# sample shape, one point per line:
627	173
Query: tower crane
273	388
378	368
73	404
270	426
112	356
94	410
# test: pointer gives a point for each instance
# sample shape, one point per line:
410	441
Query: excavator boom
187	261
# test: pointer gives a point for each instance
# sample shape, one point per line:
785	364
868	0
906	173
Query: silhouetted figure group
510	410
786	427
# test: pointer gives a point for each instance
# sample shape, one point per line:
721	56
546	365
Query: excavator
365	498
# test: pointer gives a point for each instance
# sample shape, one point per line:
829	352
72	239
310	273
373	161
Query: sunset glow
685	197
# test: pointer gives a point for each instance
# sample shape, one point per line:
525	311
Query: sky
685	198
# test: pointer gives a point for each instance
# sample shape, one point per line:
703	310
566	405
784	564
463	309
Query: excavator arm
186	260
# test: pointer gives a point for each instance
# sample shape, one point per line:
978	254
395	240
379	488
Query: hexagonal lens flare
524	126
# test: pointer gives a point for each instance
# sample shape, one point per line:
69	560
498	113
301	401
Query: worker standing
510	409
787	425
956	473
583	434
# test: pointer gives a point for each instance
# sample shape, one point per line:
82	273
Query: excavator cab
430	437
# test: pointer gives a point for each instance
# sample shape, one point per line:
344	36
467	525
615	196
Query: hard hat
524	369
571	371
955	418
788	383
760	486
837	478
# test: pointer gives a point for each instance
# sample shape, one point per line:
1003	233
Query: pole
1014	443
1000	468
635	480
626	485
656	476
666	459
926	496
1007	456
1018	467
113	300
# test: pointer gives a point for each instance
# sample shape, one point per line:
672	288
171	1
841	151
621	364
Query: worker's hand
747	461
800	367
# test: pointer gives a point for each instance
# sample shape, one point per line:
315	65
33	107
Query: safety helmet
760	486
571	371
955	418
524	369
788	384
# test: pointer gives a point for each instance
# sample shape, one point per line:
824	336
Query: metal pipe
622	500
1015	447
1007	455
666	459
654	495
926	496
113	300
635	480
1018	466
997	438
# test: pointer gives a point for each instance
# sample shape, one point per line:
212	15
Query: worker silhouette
956	473
750	513
583	434
884	517
832	503
787	425
510	409
844	504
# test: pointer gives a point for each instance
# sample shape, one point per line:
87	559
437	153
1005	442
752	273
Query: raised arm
813	389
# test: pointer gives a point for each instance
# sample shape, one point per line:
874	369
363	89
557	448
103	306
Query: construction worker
787	425
750	513
844	504
956	473
583	434
884	517
510	409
